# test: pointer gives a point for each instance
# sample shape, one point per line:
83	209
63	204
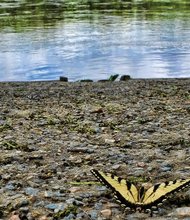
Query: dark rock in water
103	80
86	80
63	79
125	77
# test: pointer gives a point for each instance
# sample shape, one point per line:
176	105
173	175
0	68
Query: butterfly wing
158	192
125	191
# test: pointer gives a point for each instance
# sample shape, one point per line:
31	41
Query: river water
44	40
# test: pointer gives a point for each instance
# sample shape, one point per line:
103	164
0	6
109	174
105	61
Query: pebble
75	189
10	186
14	217
55	207
31	191
182	212
93	214
166	167
109	141
44	218
106	213
81	150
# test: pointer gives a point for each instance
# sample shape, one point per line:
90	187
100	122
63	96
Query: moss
12	145
135	179
84	129
5	126
69	210
85	183
9	145
74	124
113	108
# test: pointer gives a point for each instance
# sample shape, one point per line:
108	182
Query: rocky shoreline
53	133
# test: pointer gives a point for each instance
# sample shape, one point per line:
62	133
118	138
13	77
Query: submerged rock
63	79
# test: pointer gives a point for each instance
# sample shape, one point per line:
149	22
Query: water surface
42	41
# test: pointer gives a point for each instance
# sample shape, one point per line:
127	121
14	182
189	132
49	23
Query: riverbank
53	133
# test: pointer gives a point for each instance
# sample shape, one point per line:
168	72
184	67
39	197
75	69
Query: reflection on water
44	41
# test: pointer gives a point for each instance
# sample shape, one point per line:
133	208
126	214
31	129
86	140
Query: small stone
55	207
24	210
116	166
93	214
33	199
43	218
21	203
14	216
48	194
138	171
181	212
10	186
58	194
69	217
59	208
106	213
72	201
6	176
181	154
51	206
81	150
74	189
141	164
31	191
166	168
56	187
109	141
29	216
98	110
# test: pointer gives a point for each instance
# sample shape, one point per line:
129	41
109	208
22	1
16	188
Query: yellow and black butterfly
139	199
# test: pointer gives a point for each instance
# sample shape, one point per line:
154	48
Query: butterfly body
139	199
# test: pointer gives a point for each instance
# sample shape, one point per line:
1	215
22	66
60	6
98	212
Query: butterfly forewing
159	191
123	189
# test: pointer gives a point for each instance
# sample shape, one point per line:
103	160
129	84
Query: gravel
53	133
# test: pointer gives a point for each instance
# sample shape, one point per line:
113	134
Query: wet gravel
53	133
